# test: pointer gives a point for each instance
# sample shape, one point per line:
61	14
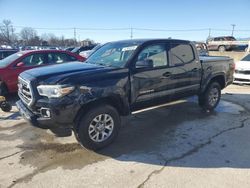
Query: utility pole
233	25
131	32
209	32
75	34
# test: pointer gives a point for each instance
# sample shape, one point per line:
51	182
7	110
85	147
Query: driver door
151	83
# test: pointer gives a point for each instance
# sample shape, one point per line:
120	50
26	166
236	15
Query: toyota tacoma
119	78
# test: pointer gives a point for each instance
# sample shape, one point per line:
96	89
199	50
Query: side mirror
147	63
20	64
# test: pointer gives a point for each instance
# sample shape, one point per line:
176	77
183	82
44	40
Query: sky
196	16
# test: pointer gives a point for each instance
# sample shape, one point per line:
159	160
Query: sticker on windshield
129	48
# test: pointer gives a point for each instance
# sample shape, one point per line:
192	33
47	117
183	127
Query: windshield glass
246	58
8	60
75	49
113	54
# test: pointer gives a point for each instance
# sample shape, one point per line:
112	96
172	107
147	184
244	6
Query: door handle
195	70
166	75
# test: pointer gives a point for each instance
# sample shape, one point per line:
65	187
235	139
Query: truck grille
24	91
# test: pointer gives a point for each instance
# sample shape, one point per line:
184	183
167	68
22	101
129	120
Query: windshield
8	60
113	54
246	58
230	38
75	49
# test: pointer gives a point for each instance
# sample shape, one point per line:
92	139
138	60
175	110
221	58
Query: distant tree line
29	37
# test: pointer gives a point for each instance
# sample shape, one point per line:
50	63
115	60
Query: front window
8	60
156	53
113	54
246	58
34	60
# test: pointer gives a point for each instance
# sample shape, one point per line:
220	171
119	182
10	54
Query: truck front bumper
43	122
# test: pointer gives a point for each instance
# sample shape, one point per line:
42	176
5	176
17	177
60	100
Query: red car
13	65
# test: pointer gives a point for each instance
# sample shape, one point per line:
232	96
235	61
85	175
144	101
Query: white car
242	71
87	53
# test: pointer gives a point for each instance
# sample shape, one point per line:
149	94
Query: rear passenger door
186	72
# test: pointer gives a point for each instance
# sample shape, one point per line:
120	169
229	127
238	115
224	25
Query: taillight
233	66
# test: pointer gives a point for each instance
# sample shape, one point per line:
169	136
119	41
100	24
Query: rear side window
181	54
56	58
219	39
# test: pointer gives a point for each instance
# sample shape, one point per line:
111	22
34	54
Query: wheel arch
114	100
220	78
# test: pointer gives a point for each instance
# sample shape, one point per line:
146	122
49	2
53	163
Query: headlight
54	91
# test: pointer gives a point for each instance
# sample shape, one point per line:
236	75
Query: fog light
45	112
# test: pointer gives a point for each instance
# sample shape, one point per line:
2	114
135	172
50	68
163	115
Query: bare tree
53	40
7	34
29	36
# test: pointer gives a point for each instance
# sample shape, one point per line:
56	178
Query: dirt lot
174	146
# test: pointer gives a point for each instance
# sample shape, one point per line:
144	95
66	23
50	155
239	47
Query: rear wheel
211	97
98	127
222	48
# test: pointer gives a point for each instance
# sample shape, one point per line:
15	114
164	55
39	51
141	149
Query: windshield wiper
103	64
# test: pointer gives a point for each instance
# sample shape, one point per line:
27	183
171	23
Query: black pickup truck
119	78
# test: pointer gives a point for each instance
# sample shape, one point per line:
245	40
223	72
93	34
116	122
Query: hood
71	67
242	65
72	72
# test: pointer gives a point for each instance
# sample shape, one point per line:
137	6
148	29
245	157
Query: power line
129	29
174	30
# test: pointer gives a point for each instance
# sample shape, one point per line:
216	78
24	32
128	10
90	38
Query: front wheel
6	107
98	127
211	97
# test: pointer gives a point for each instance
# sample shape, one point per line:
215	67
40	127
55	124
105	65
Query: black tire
6	107
3	89
83	132
211	97
221	48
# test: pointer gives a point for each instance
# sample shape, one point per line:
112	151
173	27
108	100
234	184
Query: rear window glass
246	58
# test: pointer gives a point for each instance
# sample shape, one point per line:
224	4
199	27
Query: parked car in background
242	71
7	52
13	65
202	48
221	44
241	48
69	48
87	53
79	49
